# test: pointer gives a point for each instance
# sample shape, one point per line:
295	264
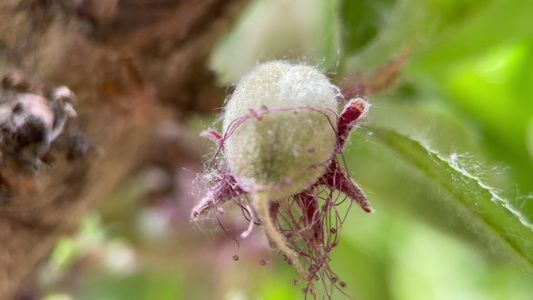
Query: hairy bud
278	160
286	143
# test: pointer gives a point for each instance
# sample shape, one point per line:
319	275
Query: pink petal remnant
212	135
338	179
354	111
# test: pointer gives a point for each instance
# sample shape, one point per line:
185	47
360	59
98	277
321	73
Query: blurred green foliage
466	91
362	21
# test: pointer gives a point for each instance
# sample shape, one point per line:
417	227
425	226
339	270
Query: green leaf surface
362	21
482	205
493	91
497	22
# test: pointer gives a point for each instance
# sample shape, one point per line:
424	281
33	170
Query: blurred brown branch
125	61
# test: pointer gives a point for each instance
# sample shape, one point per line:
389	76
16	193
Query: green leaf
482	205
494	90
362	21
496	22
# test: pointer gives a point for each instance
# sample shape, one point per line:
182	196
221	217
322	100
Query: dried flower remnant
280	160
32	118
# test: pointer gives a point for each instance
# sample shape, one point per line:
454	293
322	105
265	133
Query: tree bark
129	62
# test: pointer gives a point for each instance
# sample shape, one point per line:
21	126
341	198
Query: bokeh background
465	90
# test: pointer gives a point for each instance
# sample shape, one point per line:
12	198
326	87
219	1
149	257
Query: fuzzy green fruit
282	151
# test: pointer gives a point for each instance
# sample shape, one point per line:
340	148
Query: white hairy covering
281	151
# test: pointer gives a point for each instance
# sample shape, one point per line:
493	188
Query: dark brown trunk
129	62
